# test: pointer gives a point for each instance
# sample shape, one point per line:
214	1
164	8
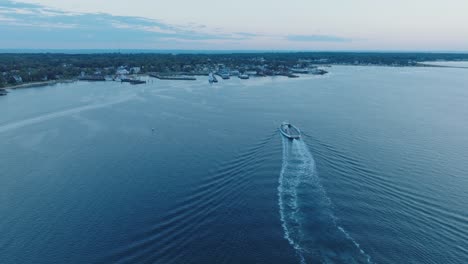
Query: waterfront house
121	71
18	78
135	70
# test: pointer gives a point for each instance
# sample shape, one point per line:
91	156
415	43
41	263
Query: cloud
30	24
317	38
6	19
37	26
148	28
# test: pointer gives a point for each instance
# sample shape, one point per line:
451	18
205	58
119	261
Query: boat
212	78
244	76
132	80
3	92
299	70
235	73
137	82
318	71
290	131
224	74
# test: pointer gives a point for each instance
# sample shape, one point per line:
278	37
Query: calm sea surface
187	172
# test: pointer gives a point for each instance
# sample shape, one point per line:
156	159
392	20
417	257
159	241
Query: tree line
51	66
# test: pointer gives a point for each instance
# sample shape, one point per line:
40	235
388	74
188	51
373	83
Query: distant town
21	70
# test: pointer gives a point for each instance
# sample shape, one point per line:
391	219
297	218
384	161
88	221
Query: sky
362	25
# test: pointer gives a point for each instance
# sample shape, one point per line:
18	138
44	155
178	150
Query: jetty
92	78
173	77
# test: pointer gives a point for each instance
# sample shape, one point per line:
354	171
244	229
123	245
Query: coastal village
258	67
26	70
192	72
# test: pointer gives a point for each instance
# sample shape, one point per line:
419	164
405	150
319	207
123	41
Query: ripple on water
188	221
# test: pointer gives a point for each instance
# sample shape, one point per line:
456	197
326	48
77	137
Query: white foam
299	167
348	236
289	180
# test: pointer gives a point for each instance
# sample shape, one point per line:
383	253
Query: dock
173	77
93	78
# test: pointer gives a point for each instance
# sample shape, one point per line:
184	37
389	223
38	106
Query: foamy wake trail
290	178
311	230
62	113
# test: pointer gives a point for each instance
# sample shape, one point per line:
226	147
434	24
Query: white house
18	78
135	70
121	71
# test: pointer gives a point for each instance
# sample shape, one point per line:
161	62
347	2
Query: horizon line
211	51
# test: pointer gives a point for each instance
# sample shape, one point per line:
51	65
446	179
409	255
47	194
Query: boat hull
290	131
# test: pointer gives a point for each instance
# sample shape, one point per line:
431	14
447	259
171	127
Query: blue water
187	172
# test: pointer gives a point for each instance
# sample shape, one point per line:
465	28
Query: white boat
212	78
290	131
244	76
318	71
299	70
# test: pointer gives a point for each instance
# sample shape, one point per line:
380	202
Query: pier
173	77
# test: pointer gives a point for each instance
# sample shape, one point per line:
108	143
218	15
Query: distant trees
11	80
45	66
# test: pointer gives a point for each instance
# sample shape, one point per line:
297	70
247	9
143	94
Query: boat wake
38	119
306	214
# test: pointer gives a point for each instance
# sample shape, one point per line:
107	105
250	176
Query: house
18	78
135	70
122	71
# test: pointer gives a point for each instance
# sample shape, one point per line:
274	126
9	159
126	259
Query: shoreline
53	82
442	66
38	84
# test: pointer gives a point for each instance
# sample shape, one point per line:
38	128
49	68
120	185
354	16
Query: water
306	212
462	64
379	176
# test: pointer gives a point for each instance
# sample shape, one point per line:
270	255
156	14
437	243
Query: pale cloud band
317	38
398	25
37	26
